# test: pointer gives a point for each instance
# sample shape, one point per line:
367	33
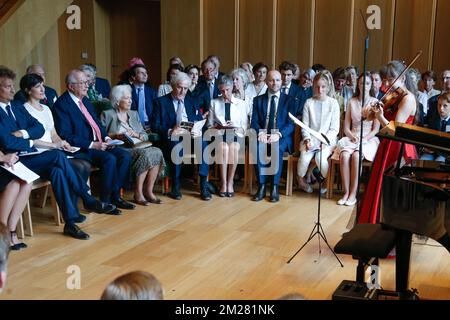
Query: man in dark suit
208	82
289	88
439	122
171	111
18	130
76	122
274	128
143	96
50	93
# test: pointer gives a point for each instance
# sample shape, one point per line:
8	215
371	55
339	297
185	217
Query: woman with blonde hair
321	113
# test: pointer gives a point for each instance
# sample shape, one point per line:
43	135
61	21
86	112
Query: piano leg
402	261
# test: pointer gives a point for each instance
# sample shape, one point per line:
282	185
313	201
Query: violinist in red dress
398	105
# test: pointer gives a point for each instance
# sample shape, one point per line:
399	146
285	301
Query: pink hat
134	62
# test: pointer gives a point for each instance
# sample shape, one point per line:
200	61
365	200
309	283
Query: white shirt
184	116
24	132
45	117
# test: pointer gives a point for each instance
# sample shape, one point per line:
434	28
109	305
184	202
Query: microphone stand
366	50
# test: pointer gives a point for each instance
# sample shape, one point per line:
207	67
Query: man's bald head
273	81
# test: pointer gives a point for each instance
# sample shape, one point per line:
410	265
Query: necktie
179	112
91	121
227	111
45	101
443	125
211	89
141	106
271	124
10	114
286	90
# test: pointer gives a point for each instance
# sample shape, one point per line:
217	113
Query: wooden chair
25	225
334	175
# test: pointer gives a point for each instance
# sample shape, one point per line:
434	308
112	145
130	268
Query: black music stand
318	229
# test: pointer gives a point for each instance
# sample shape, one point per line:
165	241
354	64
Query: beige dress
369	147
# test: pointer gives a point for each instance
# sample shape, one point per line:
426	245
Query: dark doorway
135	32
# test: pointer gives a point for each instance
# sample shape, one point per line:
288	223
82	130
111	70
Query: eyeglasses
82	83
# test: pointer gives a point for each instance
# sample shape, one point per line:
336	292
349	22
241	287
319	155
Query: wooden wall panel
46	52
441	55
26	27
380	41
413	28
72	43
332	32
181	27
219	30
256	39
102	41
294	32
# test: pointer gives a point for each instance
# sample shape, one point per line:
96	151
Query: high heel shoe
17	246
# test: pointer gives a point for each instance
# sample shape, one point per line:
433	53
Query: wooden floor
222	249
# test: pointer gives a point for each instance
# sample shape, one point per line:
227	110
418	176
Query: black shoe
205	194
261	193
100	207
223	194
80	219
18	246
72	230
175	195
122	204
274	194
230	194
115	212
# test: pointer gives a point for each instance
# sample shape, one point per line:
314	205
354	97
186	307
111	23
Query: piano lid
419	136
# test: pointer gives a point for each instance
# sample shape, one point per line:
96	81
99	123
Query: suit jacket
72	125
203	86
150	96
284	123
432	111
50	94
103	87
166	117
202	97
24	121
434	122
302	96
111	122
328	123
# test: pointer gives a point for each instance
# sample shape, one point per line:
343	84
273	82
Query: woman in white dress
259	86
321	113
347	150
229	115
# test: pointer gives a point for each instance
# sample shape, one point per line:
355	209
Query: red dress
387	156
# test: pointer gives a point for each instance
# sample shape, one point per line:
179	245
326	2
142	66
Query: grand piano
416	196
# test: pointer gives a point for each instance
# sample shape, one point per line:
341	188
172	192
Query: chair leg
20	229
56	212
28	224
330	180
44	197
289	177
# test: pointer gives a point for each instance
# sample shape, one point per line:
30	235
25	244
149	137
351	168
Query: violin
392	96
